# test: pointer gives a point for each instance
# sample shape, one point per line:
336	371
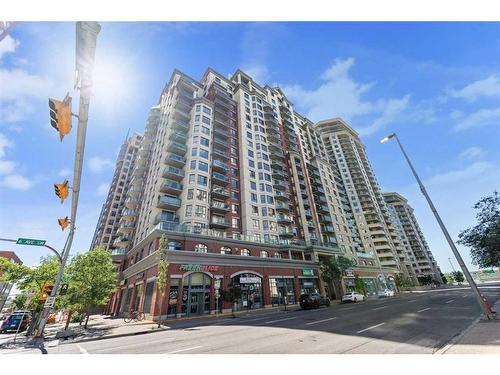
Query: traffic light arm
47	246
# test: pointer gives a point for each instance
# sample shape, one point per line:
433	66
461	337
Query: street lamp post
454	249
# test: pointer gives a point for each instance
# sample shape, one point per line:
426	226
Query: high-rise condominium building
412	238
106	231
249	195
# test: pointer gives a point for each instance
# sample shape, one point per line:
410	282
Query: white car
353	297
386	293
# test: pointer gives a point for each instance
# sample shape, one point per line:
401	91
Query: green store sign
307	272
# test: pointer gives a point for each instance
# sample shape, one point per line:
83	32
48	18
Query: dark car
313	300
14	321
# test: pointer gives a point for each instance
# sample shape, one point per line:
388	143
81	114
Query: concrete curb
114	336
458	337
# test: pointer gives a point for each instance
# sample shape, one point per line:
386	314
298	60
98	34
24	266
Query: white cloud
259	73
98	164
4	144
341	96
103	189
482	117
474	170
65	172
488	87
8	45
6	166
16	182
471	153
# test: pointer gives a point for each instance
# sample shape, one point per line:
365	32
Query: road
408	323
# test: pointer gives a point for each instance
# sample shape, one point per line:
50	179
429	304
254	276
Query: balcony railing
169	201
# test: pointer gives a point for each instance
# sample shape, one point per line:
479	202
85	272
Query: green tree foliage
162	275
425	280
402	281
92	278
19	301
332	270
484	238
360	286
231	295
443	277
458	276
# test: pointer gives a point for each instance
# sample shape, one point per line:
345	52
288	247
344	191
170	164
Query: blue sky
437	85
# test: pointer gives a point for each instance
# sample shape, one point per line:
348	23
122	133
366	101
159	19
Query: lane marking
184	350
413	300
372	327
81	349
280	320
252	320
450	301
378	308
428	308
465	296
320	321
348	308
169	339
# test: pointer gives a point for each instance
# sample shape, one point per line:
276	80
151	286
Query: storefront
196	294
249	287
282	290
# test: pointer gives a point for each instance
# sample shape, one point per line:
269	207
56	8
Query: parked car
353	297
16	320
313	300
385	293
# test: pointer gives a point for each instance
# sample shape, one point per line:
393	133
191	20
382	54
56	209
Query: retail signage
198	267
307	272
349	273
249	280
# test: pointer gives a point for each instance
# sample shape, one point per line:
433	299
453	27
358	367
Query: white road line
378	308
372	327
320	321
465	296
349	308
428	308
184	350
450	301
413	300
252	320
280	320
81	349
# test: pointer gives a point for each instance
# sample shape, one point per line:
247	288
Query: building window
189	210
201	248
245	252
264	254
225	250
174	245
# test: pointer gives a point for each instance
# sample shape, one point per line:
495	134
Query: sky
436	84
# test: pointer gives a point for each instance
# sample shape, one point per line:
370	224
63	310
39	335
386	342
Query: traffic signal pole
86	36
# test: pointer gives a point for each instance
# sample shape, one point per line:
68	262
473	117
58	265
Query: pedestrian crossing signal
62	190
46	291
60	115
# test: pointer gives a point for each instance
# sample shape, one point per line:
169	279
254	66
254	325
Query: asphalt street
407	323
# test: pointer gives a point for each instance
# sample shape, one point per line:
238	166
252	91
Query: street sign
64	289
49	302
30	242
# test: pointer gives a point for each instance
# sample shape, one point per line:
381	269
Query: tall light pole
451	264
86	36
454	249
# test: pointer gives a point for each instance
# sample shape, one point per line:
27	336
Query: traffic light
60	115
46	290
62	190
63	222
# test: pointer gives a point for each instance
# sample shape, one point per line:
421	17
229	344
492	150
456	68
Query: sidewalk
482	337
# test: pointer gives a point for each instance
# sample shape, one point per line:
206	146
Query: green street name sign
30	242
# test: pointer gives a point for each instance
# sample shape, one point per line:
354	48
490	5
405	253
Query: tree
92	279
231	295
19	301
425	280
484	238
332	270
458	276
162	275
443	277
402	281
360	286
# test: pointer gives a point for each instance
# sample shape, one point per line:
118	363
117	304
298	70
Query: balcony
276	164
281	195
131	202
118	253
280	218
277	184
134	190
221	132
306	203
173	173
326	218
121	242
281	206
220	153
181	114
322	208
220	192
219	222
327	229
180	126
129	214
171	186
166	218
167	202
219	166
126	227
285	232
277	155
222	144
310	224
278	174
178	136
177	148
218	206
219	178
221	121
175	160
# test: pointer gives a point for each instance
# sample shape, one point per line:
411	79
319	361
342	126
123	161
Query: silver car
353	297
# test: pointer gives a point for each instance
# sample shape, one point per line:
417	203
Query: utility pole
461	263
451	264
86	36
